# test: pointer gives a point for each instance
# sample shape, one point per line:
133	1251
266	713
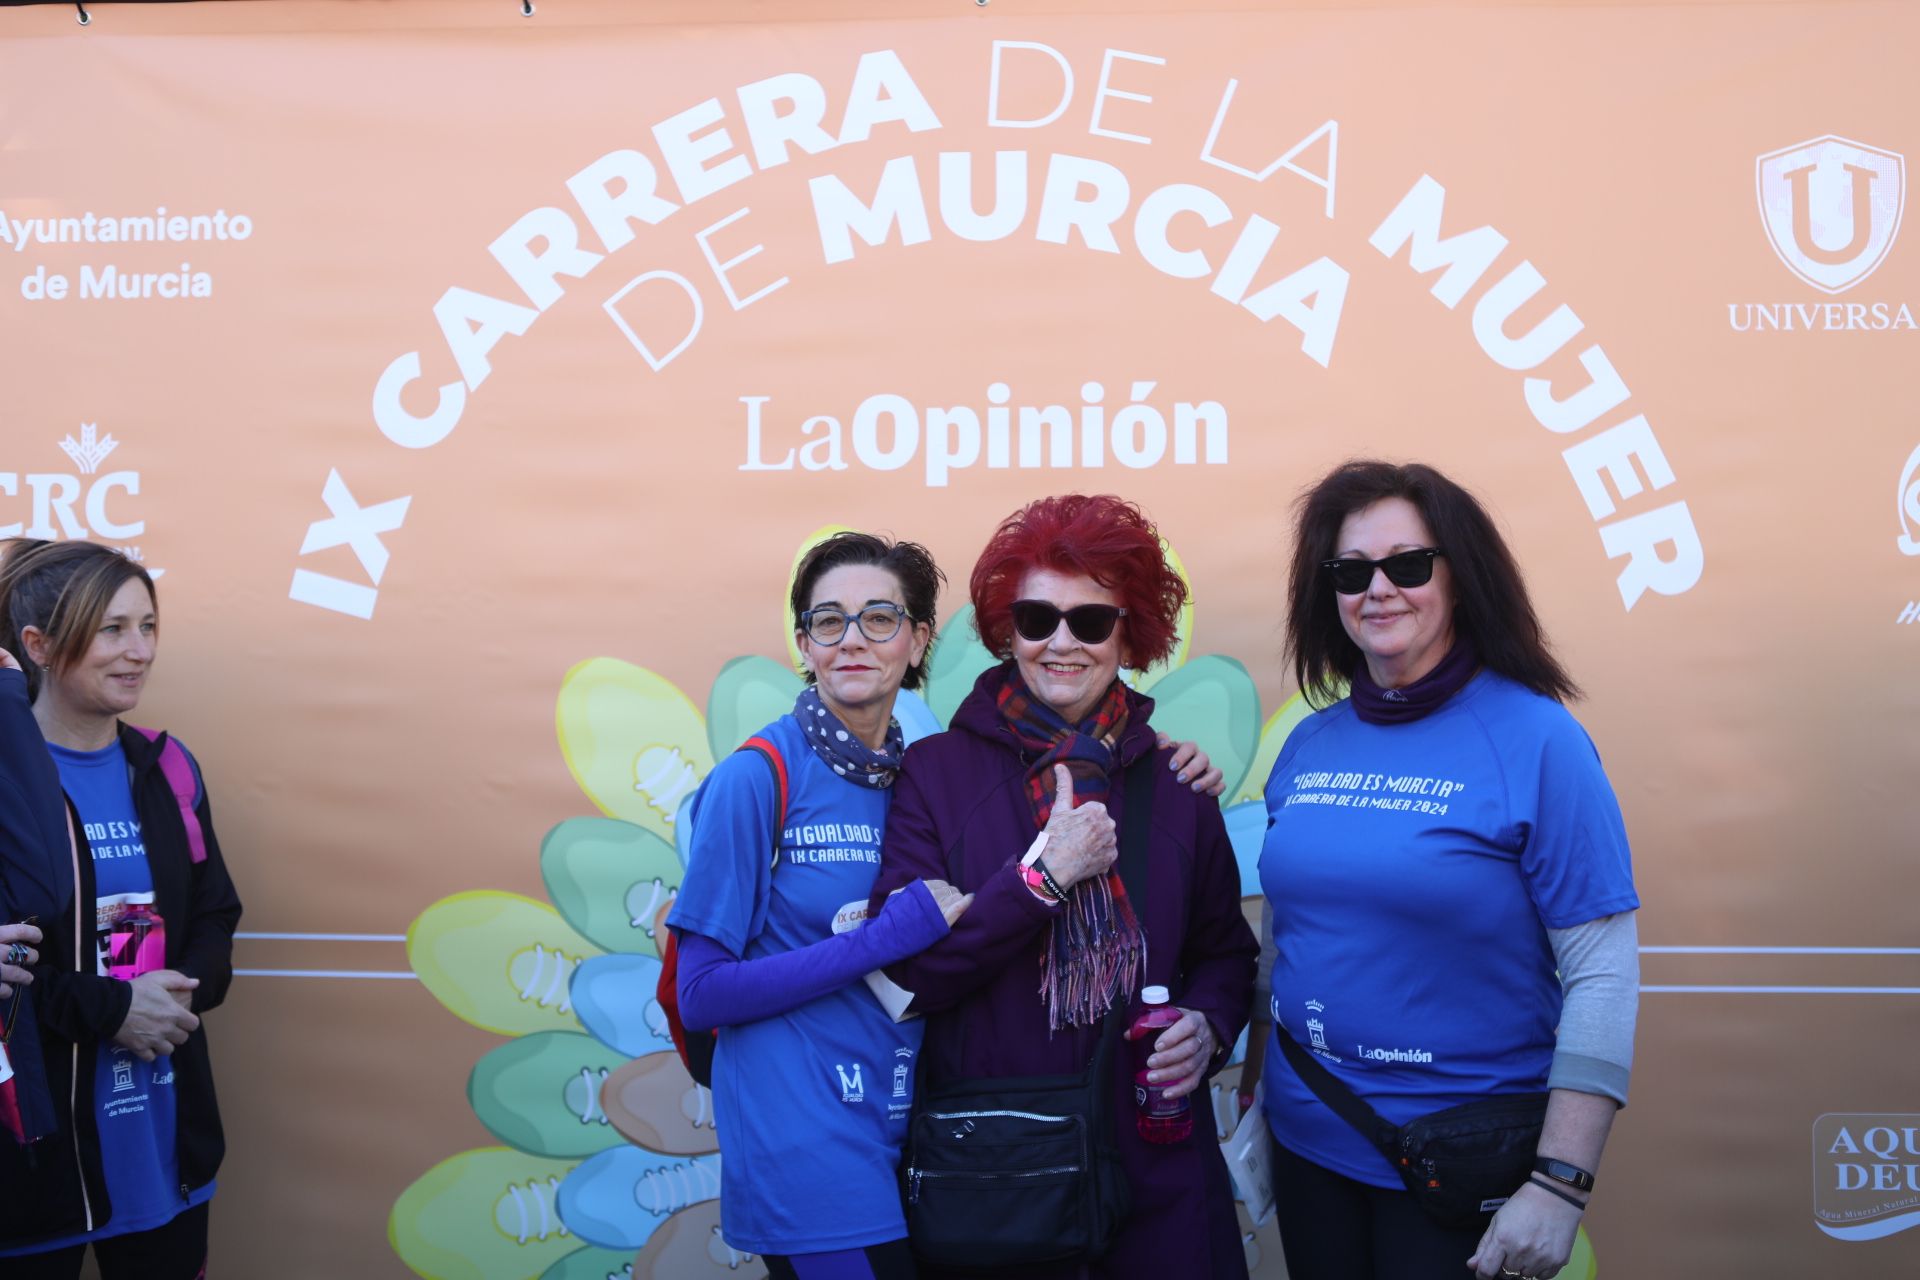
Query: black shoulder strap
1136	828
1341	1100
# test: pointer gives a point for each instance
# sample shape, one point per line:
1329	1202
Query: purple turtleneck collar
1399	706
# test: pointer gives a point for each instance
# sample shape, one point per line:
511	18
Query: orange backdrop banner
472	380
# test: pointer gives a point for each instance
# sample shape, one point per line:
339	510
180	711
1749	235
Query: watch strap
1560	1171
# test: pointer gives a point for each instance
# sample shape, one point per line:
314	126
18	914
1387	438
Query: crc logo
1866	1175
1831	207
68	505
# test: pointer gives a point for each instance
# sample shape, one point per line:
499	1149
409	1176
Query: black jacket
36	877
56	1187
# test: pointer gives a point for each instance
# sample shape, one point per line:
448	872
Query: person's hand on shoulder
1194	767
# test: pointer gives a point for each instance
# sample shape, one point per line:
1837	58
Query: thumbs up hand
1080	841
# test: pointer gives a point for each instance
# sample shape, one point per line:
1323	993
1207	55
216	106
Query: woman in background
132	1053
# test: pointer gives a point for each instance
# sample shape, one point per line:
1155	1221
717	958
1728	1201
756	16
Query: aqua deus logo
1831	209
1866	1174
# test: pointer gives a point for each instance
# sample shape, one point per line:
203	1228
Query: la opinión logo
1866	1174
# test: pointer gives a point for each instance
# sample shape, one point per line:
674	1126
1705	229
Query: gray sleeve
1263	975
1600	973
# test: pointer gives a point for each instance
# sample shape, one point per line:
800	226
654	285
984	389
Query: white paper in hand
893	997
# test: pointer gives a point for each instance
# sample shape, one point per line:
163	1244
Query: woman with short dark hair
1452	893
781	842
132	1176
1047	747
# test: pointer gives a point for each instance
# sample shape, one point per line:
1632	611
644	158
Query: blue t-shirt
133	1100
1414	870
810	1106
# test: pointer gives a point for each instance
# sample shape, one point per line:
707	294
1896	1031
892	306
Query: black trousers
1333	1228
175	1251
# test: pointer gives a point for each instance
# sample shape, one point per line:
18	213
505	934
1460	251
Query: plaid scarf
1096	950
849	757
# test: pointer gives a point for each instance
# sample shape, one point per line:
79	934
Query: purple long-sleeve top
960	813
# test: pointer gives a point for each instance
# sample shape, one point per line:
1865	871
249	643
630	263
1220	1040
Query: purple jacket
960	813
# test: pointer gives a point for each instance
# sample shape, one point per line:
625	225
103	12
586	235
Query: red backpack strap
694	1045
760	746
178	771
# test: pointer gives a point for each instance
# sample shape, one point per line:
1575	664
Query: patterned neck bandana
1096	950
842	749
1376	705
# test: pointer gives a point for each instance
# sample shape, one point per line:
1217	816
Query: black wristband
1571	1175
1046	878
1568	1196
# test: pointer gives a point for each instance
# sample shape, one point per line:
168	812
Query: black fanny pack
1010	1171
1014	1171
1461	1163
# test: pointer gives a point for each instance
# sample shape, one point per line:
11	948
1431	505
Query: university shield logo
1831	207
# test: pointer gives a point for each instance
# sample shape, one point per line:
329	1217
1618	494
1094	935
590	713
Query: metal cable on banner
80	12
526	8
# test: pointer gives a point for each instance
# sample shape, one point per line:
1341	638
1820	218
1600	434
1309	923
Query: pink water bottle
1161	1119
137	943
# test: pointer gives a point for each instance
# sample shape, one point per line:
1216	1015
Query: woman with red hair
1023	803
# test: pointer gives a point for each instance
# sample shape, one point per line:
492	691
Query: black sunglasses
1037	620
1403	569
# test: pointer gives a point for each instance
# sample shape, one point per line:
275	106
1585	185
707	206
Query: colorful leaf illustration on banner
620	1197
1182	637
488	1214
613	997
689	1246
498	960
610	878
958	659
1273	736
653	1103
591	1263
636	744
747	694
1212	701
541	1093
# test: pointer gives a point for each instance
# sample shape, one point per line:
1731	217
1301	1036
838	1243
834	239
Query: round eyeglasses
877	622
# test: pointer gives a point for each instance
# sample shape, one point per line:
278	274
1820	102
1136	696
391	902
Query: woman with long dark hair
1452	895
